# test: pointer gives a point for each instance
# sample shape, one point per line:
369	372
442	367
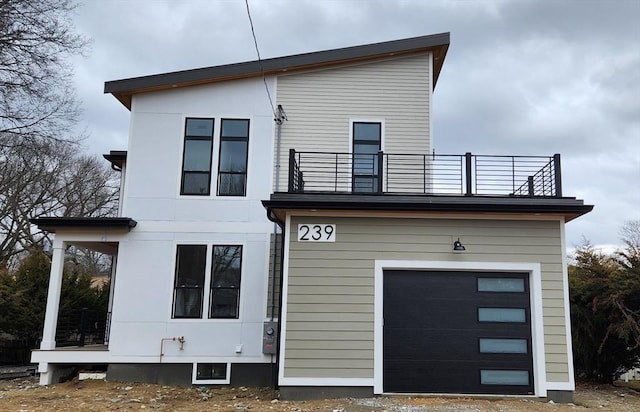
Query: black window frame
222	173
236	288
375	175
178	289
184	172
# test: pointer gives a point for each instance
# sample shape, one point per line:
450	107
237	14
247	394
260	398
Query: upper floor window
232	166
367	142
196	160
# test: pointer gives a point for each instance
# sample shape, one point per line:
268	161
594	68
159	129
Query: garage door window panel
502	315
506	285
503	345
504	377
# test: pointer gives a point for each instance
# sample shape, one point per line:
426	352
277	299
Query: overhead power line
264	79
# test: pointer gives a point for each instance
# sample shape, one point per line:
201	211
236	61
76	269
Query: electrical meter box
270	338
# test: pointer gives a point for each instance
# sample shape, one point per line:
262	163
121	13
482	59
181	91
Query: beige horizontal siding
331	285
328	372
320	103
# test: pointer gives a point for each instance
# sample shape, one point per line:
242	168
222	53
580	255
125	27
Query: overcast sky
520	78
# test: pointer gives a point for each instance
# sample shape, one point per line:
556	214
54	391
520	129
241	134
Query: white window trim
195	381
540	385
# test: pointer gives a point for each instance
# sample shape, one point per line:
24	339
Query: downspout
280	117
277	223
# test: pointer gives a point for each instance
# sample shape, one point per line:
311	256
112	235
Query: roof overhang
282	203
54	224
438	44
117	158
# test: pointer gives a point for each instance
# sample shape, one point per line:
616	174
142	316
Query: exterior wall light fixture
457	246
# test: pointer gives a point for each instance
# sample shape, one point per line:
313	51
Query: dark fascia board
116	158
52	224
124	89
569	207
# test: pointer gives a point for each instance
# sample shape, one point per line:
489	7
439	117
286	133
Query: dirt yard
22	395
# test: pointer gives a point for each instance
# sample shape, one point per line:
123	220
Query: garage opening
457	332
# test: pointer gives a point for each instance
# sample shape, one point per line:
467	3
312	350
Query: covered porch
82	337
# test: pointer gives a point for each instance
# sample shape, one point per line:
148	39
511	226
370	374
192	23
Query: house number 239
316	233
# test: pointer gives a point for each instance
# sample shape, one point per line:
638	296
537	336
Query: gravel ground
23	395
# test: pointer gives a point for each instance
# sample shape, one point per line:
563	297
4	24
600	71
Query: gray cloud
521	77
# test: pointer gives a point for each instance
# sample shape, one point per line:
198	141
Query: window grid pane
199	127
511	285
367	131
511	315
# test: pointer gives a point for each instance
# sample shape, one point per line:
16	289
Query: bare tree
37	100
47	178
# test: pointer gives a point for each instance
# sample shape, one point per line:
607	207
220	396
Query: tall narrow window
225	282
367	142
189	282
196	159
232	167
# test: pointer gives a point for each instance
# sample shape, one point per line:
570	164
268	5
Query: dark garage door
457	332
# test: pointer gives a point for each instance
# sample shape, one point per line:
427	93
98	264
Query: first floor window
196	158
189	281
234	148
223	299
225	281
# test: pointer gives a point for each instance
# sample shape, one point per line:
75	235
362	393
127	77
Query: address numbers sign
321	232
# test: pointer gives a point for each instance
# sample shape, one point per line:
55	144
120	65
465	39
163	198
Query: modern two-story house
329	252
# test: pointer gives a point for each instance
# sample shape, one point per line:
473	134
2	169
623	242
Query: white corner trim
535	287
431	138
325	381
225	381
286	233
561	386
567	309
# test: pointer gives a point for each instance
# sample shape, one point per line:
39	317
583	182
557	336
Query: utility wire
264	79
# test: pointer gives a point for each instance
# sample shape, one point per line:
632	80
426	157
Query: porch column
53	297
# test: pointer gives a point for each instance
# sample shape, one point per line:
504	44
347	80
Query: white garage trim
535	287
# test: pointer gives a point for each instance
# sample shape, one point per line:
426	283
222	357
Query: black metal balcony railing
469	175
80	327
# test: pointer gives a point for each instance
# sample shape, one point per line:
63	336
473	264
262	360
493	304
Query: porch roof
53	224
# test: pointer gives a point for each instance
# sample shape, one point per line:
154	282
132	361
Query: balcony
415	174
